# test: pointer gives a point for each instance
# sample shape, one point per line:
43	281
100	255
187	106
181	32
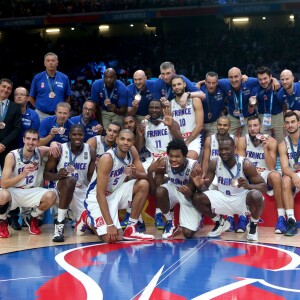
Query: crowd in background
25	8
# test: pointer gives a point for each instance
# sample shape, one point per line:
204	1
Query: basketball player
189	118
72	173
261	150
102	144
155	133
211	150
179	188
290	164
239	187
20	183
109	193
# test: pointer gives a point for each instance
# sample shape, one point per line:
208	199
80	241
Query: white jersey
157	138
32	179
116	175
214	145
256	154
290	152
183	177
224	177
100	145
81	163
185	117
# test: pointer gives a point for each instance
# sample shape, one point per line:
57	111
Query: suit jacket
13	127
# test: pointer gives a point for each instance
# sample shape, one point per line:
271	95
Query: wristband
110	225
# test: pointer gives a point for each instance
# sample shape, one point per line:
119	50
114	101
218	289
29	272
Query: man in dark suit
10	129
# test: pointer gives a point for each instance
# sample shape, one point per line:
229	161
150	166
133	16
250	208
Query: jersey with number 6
31	180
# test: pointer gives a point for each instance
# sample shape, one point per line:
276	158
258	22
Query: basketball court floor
33	267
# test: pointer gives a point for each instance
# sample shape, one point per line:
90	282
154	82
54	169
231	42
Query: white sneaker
252	235
220	227
169	230
131	233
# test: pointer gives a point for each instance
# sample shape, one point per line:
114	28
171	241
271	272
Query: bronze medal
70	168
296	166
234	182
61	130
52	95
236	113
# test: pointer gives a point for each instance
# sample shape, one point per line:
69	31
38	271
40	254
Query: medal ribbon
238	169
51	87
106	93
121	159
72	160
238	104
295	155
210	103
168	91
290	103
4	111
271	103
22	157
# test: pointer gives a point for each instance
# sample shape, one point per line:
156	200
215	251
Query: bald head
235	77
139	79
110	78
287	80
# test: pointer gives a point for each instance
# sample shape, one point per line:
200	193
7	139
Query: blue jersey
292	101
88	131
265	102
165	90
42	85
30	120
212	104
146	96
49	123
117	95
238	100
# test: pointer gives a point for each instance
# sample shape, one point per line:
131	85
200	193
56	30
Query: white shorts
228	205
26	197
264	174
119	199
195	145
77	204
214	184
189	217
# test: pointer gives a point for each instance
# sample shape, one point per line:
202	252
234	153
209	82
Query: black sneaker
141	226
14	223
59	232
291	228
252	235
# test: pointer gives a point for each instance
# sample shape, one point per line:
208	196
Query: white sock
290	213
36	212
281	212
168	216
132	221
254	220
216	218
157	210
128	209
3	217
61	214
